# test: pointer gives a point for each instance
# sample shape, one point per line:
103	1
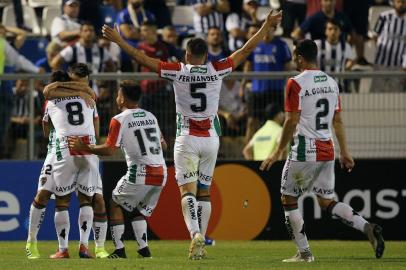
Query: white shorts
195	159
313	176
144	198
45	180
76	172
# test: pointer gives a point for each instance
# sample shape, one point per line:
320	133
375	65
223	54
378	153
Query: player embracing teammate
197	86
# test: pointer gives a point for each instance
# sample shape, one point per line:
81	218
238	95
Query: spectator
216	51
293	10
52	50
237	24
266	139
18	35
315	24
86	50
90	11
157	95
65	28
334	54
272	54
314	6
170	38
232	110
10	61
108	13
160	11
390	33
129	21
209	13
18	13
20	114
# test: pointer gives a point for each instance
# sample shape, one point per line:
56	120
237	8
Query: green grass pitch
224	255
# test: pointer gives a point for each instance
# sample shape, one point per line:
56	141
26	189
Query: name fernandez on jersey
197	93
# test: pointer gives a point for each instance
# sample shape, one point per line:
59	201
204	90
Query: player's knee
84	199
136	215
98	203
289	202
325	204
203	192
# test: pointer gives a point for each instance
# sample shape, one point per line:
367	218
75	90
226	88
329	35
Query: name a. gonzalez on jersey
56	101
321	90
198	78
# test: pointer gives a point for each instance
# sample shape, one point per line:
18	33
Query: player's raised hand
346	162
111	34
273	19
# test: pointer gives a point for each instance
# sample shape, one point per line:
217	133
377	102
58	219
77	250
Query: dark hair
60	76
271	110
79	69
197	47
150	24
307	49
333	22
86	23
130	90
214	27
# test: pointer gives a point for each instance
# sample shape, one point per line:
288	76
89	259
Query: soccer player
137	132
313	108
197	86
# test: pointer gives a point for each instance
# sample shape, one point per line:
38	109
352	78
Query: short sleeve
292	99
57	27
95	113
306	24
45	118
114	136
338	105
224	67
287	55
106	55
123	18
67	54
232	21
168	70
348	53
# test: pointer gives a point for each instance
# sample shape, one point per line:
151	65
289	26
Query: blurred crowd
250	110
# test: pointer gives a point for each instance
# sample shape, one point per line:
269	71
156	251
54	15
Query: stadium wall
246	202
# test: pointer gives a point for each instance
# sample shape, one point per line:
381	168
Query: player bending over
313	108
137	132
197	86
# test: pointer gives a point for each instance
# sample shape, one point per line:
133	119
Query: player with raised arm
77	89
313	109
197	86
137	132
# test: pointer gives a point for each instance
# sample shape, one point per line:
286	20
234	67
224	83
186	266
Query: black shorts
357	12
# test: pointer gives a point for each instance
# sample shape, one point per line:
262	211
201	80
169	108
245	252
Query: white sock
140	231
99	232
203	213
35	220
62	226
189	209
117	235
348	216
85	222
295	224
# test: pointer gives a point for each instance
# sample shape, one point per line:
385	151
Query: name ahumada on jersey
197	92
316	96
71	117
138	134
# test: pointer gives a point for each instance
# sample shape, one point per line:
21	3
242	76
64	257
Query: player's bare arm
139	56
289	127
346	160
272	20
77	144
70	89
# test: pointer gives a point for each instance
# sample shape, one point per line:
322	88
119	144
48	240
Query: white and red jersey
316	96
137	132
71	117
197	93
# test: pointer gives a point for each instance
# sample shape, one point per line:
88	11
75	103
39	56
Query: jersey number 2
323	113
75	115
203	99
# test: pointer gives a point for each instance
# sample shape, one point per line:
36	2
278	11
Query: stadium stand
30	18
48	15
44	3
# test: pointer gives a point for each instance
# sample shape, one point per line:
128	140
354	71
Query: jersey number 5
203	99
322	113
75	115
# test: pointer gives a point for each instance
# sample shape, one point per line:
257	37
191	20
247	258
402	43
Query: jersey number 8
75	115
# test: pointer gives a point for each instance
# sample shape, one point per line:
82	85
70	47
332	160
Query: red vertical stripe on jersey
199	128
154	176
114	130
85	140
292	96
44	106
223	64
324	150
168	66
338	109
